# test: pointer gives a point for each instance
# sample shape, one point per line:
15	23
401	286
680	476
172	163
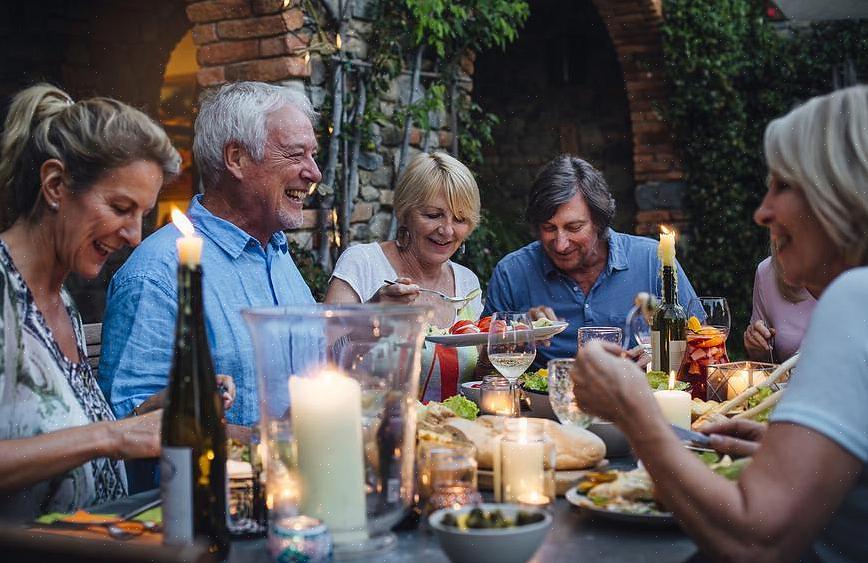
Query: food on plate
461	406
699	408
575	447
479	519
724	465
465	326
659	381
537	381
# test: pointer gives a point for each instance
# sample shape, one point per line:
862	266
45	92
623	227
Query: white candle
674	404
497	402
189	245
327	429
666	248
523	471
737	382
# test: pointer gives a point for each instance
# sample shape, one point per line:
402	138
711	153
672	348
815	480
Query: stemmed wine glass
716	311
511	345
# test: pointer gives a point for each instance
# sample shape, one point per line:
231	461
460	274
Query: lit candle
497	401
666	248
737	382
674	404
327	429
189	245
522	467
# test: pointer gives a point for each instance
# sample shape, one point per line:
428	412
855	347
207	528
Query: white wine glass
511	345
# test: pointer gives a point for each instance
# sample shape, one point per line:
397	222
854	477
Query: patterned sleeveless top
41	390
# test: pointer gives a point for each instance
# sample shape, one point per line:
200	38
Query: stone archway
634	27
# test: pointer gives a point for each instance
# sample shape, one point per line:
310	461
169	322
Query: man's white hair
237	112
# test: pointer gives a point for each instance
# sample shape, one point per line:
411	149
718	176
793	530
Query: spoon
443	296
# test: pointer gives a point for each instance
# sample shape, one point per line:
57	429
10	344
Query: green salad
462	407
536	381
659	381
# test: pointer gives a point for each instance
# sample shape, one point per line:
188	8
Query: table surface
575	536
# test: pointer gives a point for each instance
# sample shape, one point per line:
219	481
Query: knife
696	438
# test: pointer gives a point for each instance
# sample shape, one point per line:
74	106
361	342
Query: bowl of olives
490	533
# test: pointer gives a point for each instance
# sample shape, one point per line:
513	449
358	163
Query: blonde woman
76	179
809	476
437	207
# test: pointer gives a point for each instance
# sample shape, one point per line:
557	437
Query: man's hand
226	387
607	384
542	312
736	436
639	356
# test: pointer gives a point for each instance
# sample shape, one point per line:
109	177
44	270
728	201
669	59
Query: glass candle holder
524	470
496	396
451	476
727	381
337	389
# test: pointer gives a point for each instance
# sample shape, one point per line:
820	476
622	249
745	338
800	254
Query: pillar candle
674	404
522	467
189	245
666	249
327	429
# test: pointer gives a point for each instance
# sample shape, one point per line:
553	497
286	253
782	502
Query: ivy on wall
732	71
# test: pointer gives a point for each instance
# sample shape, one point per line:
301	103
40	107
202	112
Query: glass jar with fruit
706	343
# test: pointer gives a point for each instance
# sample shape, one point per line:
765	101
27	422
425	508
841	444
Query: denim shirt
139	325
527	278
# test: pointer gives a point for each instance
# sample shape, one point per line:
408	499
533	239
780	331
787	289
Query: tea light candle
522	467
737	383
666	248
189	245
327	429
674	404
496	401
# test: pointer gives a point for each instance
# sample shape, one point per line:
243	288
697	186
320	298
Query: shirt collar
617	259
228	236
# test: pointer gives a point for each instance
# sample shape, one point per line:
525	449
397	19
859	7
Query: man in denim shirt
255	146
579	269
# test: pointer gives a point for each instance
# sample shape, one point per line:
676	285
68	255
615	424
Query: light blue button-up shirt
527	278
139	325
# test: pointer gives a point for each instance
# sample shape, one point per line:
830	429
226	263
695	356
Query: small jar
452	472
497	396
299	538
524	469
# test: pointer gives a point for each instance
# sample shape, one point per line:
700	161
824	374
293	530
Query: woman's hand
757	340
403	292
736	436
136	436
607	383
226	386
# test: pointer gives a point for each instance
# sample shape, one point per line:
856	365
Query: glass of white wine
511	345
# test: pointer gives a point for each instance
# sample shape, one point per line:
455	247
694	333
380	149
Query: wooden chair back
93	345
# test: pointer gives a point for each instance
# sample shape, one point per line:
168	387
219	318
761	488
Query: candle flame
338	41
182	223
671	380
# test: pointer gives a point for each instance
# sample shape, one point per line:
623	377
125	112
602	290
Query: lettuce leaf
659	381
462	407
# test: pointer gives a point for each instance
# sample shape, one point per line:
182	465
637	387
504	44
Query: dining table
576	535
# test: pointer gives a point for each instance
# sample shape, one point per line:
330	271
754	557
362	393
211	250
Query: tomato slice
484	324
460	325
467	329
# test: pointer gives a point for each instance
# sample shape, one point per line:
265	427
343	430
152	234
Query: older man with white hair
255	146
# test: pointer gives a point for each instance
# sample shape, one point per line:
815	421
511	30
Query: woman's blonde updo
89	137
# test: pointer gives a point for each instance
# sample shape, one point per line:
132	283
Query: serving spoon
448	298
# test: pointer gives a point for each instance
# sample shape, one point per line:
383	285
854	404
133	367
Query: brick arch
634	27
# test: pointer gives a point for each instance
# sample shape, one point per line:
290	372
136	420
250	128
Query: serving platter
581	501
565	479
481	338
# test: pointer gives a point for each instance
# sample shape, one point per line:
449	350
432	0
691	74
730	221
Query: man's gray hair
559	181
237	112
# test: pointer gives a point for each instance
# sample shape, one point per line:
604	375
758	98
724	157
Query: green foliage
732	72
317	278
493	239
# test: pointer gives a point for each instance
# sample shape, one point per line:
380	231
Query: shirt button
575	288
587	306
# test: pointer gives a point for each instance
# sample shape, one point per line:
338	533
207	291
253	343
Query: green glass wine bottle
193	459
668	327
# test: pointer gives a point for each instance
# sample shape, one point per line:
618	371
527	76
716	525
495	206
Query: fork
443	296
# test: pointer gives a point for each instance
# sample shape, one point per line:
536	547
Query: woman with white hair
437	206
808	479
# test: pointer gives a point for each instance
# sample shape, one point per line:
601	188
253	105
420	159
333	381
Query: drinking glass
611	334
561	394
511	344
638	330
706	342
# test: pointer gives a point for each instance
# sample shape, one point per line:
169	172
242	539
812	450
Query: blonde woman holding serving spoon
437	206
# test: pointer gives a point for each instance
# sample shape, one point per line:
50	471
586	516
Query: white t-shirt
365	266
828	393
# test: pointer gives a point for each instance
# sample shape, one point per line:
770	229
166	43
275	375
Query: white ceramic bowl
504	545
470	389
616	443
540	406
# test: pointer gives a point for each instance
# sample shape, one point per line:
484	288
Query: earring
463	248
402	237
53	205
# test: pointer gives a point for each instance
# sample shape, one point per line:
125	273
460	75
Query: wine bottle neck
190	313
670	286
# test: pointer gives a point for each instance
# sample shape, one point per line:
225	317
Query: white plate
481	338
576	498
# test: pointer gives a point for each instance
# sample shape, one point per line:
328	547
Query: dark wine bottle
669	327
193	459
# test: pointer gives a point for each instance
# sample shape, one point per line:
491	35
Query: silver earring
53	205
